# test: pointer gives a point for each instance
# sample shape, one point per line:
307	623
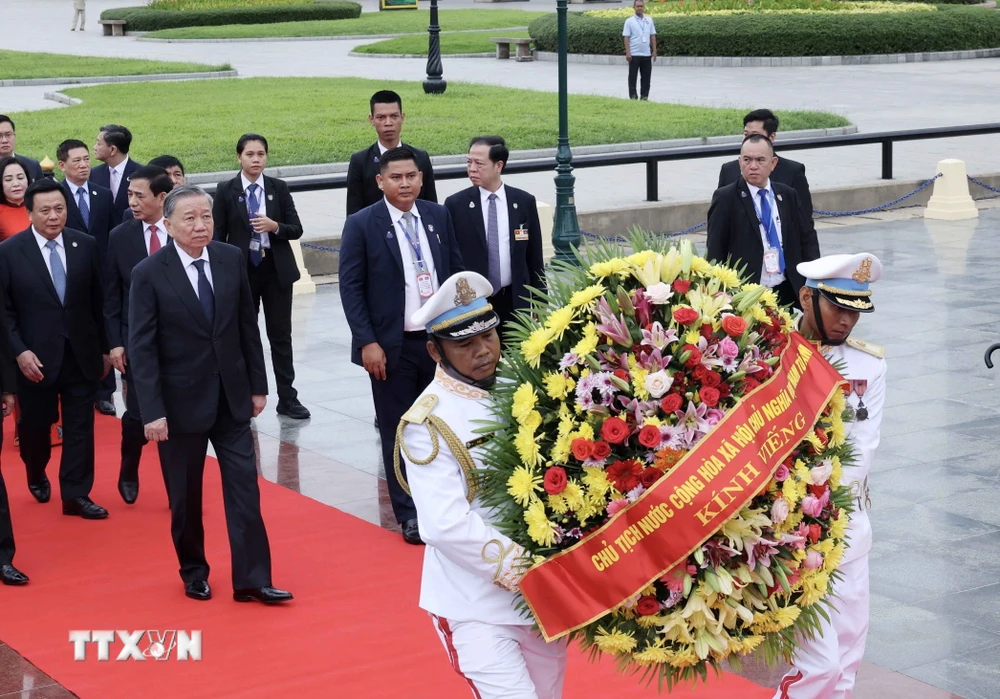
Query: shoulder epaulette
418	413
867	347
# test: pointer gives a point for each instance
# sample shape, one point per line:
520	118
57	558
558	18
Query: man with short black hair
764	122
112	148
131	243
387	118
8	143
173	166
498	229
640	49
393	255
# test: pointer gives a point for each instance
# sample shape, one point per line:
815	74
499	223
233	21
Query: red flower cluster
555	480
584	449
625	474
686	316
615	430
647	606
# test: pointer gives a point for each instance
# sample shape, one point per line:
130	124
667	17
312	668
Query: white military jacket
864	369
470	569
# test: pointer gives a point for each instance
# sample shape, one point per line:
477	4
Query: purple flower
657	337
761	552
713	416
569	360
643	308
693	422
654	361
612	326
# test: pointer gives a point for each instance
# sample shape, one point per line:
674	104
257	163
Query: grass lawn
324	119
23	65
477	42
397	22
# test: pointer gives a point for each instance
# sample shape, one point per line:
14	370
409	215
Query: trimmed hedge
951	28
142	19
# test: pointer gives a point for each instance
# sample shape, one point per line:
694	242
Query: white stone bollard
951	200
305	284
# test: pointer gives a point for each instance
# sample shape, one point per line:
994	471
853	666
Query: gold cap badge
464	294
864	272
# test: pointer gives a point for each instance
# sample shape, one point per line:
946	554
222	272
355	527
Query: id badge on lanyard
425	286
771	265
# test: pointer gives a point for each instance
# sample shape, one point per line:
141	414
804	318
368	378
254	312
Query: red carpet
354	630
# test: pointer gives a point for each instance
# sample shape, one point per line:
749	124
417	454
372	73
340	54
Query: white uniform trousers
503	662
826	666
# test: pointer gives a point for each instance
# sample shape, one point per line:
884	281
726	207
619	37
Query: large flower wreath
627	364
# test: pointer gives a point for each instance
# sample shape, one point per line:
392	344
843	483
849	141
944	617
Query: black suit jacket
8	368
734	231
372	286
787	171
527	266
232	223
101	215
180	366
126	249
102	175
362	189
37	321
31	165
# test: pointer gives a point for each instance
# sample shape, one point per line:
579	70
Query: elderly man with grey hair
198	371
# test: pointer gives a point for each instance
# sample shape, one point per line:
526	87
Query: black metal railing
652	158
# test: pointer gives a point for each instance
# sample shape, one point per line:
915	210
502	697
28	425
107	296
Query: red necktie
154	240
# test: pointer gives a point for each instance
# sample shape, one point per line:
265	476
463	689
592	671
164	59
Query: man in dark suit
758	224
497	229
387	117
89	208
111	148
55	315
763	122
256	213
9	575
131	243
174	169
393	256
197	367
8	144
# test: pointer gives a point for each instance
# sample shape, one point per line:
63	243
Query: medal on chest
859	387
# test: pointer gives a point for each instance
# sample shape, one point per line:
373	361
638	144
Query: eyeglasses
6	135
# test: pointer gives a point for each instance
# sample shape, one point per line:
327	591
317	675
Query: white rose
659	293
658	383
821	473
779	511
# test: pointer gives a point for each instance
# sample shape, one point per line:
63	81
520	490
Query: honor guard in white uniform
835	293
471	570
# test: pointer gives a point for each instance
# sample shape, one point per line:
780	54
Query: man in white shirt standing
393	256
640	49
112	149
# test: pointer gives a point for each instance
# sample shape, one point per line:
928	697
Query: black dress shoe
267	595
105	407
411	533
41	491
84	507
198	589
293	409
129	490
9	575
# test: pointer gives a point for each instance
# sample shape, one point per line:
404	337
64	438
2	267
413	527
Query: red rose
711	379
724	390
621	374
706	330
681	286
686	316
671	403
695	358
555	480
699	373
624	474
816	490
601	450
649	476
649	436
734	326
815	532
582	448
614	430
647	606
709	396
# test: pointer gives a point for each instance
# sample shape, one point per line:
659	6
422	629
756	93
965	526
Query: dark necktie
256	256
493	244
205	294
772	232
83	205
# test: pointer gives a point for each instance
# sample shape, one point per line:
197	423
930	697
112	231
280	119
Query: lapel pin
240	200
388	235
270	197
515	204
376	158
743	194
430	227
94	193
472	205
74	244
779	198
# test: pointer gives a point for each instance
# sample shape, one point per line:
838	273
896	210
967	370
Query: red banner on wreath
713	482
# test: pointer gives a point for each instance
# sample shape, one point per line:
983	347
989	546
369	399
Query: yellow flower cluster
667	11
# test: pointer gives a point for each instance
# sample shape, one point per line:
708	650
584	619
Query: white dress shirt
192	271
161	233
412	294
115	177
265	239
769	280
382	149
75	189
60	250
503	230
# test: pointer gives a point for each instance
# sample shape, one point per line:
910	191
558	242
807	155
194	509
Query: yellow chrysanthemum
838	527
838	433
699	265
559	320
596	480
557	386
746	645
639	259
685	657
652	655
532	421
790	492
541	530
574	495
615	265
837	474
639	375
769	298
522	484
585	298
824	547
758	313
729	278
524	401
786	616
527	447
588	341
561	448
814	588
838	403
691	337
833	559
585	431
535	346
557	503
652	420
614	641
587	510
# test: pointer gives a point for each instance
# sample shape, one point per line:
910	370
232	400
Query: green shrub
184	5
143	19
827	34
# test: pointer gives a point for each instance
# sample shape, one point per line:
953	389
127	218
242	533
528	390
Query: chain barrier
982	184
319	247
880	207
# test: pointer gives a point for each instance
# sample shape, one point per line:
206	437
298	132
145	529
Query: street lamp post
566	229
434	84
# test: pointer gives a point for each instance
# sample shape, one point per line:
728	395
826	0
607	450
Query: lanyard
412	237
